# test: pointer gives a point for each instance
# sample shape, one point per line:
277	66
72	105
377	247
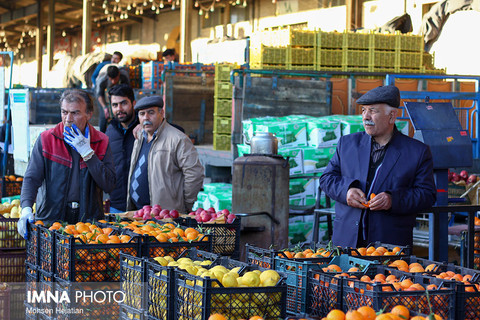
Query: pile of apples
207	215
155	212
463	175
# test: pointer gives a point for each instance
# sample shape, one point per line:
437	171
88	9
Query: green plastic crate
381	41
222	141
409	60
384	59
356	58
222	107
305	38
223	90
300	55
333	40
222	71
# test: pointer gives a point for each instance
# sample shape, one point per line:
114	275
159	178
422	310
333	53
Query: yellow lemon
269	278
251	279
229	280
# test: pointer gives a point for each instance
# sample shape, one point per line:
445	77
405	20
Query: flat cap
383	94
148	102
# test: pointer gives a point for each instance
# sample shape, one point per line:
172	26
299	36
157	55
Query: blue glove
27	215
75	139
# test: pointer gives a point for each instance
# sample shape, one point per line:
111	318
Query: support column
185	11
86	27
354	14
39	42
50	33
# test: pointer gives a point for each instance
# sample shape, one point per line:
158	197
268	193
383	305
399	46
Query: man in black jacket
121	135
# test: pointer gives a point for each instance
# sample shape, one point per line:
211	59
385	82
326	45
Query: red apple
472	179
464	175
147	216
157	206
174	214
163	213
205	216
456	177
230	218
167	216
211	210
225	212
147	206
155	211
192	213
198	211
198	218
213	216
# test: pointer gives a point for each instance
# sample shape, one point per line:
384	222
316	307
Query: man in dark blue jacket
381	164
121	135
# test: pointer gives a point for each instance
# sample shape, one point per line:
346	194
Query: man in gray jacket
165	168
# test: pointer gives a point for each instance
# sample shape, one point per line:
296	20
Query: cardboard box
323	133
289	134
317	159
295	159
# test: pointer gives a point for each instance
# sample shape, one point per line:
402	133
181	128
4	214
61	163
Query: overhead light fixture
64	33
129	7
153	7
158	11
145	3
161	4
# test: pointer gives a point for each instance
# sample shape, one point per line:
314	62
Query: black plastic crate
9	236
404	251
133	276
32	245
47	253
297	276
467	296
324	293
12	265
127	313
29	313
46	284
17	300
225	236
265	257
160	293
5	302
434	267
95	302
31	279
81	262
384	296
198	298
12	186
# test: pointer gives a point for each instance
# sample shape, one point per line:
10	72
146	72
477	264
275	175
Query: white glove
27	215
77	141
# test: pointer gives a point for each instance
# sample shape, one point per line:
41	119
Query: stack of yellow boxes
295	49
222	112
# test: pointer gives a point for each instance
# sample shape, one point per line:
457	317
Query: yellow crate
268	66
222	71
409	60
223	90
222	124
222	107
310	67
356	58
329	57
300	55
384	59
268	55
356	40
332	40
382	41
222	141
305	38
409	42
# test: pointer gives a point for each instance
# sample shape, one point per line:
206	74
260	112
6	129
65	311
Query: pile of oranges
307	253
167	232
379	251
412	267
398	312
12	178
89	233
218	316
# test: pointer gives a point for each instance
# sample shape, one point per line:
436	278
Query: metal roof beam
18	14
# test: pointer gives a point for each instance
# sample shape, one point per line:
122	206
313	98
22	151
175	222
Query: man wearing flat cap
165	168
379	178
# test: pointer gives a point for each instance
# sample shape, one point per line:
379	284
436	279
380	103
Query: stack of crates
12	262
294	49
222	112
135	75
151	73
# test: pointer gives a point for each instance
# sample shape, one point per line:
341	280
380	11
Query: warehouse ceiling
18	18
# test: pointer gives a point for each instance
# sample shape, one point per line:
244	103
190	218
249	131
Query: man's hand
27	215
106	112
355	198
74	137
382	201
136	130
